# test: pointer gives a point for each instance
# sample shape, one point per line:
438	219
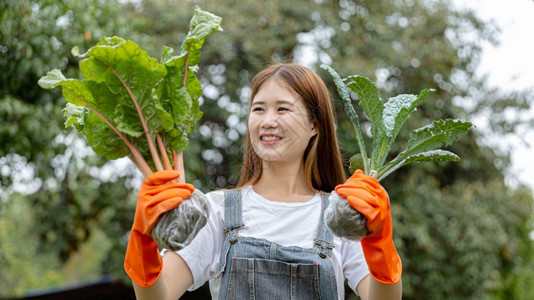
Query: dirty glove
157	195
367	196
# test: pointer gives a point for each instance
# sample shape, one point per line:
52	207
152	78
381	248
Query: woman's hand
159	193
367	196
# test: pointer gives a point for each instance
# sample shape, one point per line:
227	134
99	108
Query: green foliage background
65	212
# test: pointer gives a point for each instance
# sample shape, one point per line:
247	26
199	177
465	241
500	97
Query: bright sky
510	66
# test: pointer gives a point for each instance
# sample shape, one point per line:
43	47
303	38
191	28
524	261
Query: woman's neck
283	182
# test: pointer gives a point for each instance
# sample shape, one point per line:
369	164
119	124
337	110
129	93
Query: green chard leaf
181	88
127	98
127	69
95	104
104	141
51	79
75	115
131	75
202	25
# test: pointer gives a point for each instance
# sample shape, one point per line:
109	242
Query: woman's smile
270	139
279	124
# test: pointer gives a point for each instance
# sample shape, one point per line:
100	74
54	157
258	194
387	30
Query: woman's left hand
366	195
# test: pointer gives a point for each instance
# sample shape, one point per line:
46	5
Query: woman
267	239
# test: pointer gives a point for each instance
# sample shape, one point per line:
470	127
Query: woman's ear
314	128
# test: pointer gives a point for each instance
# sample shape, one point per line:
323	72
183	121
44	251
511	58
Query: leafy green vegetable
387	120
352	114
128	102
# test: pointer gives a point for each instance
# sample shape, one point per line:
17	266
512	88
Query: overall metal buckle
233	234
324	247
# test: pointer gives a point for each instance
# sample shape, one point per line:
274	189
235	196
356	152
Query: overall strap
324	238
232	210
233	221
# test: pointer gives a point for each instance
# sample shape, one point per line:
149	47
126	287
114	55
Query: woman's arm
143	263
173	282
379	290
366	195
370	289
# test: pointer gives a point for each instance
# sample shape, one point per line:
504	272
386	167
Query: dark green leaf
433	136
369	97
439	133
342	90
432	155
349	109
356	162
396	111
372	105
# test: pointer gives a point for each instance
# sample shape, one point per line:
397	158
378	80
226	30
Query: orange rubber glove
368	197
143	262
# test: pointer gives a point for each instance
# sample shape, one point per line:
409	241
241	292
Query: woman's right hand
160	192
366	195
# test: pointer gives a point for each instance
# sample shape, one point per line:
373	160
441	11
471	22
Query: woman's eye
283	108
257	109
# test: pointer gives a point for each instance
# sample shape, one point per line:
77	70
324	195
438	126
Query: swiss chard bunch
386	121
130	104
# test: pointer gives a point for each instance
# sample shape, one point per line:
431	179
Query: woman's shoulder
217	197
347	247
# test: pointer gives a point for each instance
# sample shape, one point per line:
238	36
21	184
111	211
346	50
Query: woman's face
279	124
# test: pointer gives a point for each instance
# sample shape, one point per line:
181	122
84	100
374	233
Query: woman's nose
269	121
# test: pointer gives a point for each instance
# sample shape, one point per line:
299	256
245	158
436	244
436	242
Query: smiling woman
280	130
267	238
292	102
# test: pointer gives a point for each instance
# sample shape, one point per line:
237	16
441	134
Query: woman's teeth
270	138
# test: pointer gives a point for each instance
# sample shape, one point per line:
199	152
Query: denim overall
254	268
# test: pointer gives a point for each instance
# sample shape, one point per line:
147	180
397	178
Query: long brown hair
322	159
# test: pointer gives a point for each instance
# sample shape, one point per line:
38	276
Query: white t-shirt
288	224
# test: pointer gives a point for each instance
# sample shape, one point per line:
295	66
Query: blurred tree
23	265
461	232
56	196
